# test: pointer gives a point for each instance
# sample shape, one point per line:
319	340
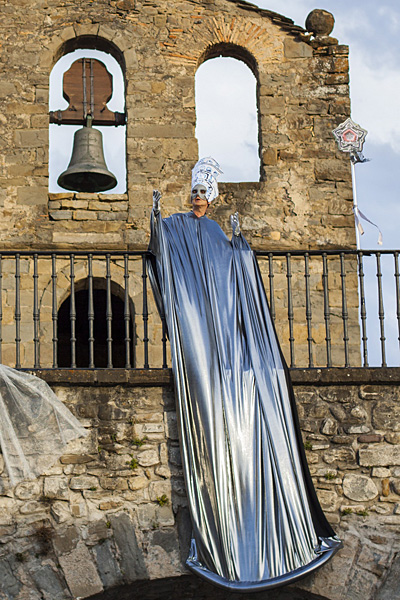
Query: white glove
156	201
235	223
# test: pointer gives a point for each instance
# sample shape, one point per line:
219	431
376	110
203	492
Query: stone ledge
163	377
105	377
346	376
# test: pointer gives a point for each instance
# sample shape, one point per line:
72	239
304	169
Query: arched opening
118	351
227	121
61	136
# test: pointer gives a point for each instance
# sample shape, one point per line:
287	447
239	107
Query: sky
372	31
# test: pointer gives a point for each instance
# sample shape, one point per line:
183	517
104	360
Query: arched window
61	136
227	115
122	331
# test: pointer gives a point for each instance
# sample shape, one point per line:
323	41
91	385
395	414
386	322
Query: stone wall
113	510
304	197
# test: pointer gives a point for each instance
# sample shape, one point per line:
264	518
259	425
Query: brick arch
256	43
229	50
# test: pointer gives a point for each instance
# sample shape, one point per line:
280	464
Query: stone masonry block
107	566
31	138
144	130
49	583
380	456
32	195
390	589
272	105
80	572
132	561
297	49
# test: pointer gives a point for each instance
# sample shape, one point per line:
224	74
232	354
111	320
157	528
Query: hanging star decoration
350	138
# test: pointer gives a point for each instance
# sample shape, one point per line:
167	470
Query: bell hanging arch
87	87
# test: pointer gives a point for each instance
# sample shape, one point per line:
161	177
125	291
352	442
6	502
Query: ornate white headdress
206	172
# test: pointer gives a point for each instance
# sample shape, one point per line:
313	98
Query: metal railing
95	309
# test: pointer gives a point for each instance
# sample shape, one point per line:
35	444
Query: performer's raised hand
235	223
156	201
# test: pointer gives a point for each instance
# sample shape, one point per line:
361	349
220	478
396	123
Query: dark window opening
64	350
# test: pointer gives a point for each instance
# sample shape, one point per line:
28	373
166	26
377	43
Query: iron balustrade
96	310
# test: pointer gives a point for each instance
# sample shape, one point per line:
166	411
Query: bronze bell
87	170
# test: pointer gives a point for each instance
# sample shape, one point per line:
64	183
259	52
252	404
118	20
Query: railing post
36	315
271	286
17	312
54	314
290	308
396	275
363	309
145	314
308	310
109	313
1	307
72	312
381	310
127	315
345	314
327	313
90	312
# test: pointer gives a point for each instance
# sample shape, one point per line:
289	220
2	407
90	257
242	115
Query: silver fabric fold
256	521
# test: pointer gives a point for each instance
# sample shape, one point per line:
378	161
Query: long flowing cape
257	523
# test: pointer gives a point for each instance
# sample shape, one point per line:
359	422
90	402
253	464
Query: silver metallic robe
250	494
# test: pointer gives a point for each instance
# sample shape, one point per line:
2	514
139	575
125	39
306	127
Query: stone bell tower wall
303	199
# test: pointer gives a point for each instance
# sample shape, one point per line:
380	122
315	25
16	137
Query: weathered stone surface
386	416
380	472
148	458
49	583
65	541
369	438
359	488
83	482
396	486
392	437
9	584
361	584
27	490
107	566
56	487
328	499
80	573
390	589
329	427
380	456
132	561
339	455
76	459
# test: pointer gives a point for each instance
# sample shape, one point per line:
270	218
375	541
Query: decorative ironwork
330	308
